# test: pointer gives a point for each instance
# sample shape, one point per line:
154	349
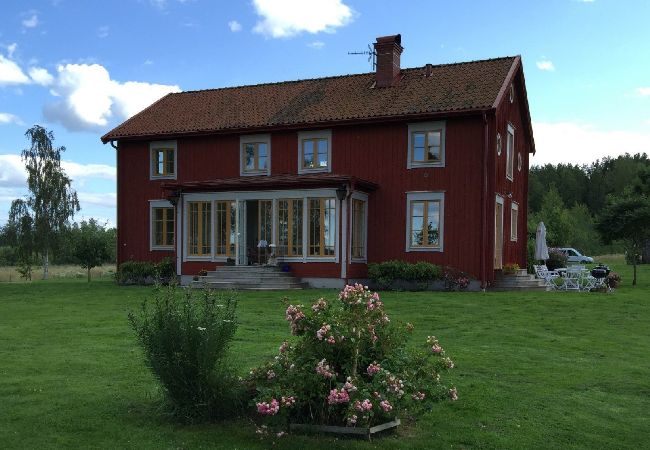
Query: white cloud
234	26
89	97
644	91
147	62
546	65
78	171
12	172
568	142
31	21
286	18
41	76
11	48
10	73
102	31
10	118
104	200
316	44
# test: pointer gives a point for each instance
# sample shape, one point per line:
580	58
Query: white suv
574	256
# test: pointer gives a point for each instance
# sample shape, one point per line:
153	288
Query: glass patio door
240	231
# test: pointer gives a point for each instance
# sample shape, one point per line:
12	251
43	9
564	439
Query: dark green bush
185	338
555	260
385	273
145	272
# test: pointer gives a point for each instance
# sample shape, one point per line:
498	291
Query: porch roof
271	182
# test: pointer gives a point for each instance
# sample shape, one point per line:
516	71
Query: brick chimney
388	50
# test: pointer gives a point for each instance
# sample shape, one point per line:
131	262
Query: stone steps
259	278
519	281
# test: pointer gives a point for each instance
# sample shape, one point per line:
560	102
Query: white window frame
499	144
364	199
153	146
424	127
317	134
425	196
250	139
510	153
159	204
514	224
511	93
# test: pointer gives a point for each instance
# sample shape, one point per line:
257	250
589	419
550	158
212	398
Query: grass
534	370
10	273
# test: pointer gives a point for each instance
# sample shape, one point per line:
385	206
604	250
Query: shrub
613	280
556	260
386	273
455	280
510	268
185	339
351	366
146	272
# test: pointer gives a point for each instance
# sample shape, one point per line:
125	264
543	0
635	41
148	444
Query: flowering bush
455	280
349	366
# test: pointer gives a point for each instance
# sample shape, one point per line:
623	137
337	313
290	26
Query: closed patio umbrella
541	249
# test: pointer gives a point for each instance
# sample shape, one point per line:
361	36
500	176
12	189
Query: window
163	159
199	228
358	244
425	221
255	154
322	226
290	227
162	225
514	220
314	152
426	143
511	93
225	221
498	144
520	162
510	152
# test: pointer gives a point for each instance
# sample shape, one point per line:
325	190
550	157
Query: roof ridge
332	77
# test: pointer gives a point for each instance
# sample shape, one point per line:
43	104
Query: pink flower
348	386
284	347
336	397
322	368
449	363
409	327
385	405
320	305
418	396
288	401
352	420
270	375
436	349
331	340
453	394
365	405
294	315
268	409
322	332
373	369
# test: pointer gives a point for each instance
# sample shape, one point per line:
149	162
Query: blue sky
81	67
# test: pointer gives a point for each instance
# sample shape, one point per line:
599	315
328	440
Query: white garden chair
573	278
549	276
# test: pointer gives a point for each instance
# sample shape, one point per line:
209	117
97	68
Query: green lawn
534	370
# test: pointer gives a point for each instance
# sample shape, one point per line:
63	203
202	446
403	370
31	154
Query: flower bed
349	367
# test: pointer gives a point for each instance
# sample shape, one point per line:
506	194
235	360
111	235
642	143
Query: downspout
484	203
118	249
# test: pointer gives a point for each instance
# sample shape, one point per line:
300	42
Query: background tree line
574	202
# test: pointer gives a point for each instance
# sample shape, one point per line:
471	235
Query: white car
574	256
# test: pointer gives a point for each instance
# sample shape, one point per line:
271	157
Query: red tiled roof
276	181
468	86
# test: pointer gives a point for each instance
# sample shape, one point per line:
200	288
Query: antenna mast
372	56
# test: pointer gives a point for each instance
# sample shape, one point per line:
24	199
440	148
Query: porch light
342	192
174	196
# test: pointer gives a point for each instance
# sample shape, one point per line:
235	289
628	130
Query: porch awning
271	182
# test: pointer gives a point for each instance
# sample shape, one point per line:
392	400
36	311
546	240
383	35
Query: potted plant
510	269
350	370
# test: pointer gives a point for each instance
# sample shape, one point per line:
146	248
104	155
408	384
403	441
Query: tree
20	234
52	201
627	216
556	218
92	246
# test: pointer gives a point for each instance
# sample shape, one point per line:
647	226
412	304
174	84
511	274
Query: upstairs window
510	152
426	144
314	151
255	154
163	159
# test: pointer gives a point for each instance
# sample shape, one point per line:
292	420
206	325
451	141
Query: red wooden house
420	164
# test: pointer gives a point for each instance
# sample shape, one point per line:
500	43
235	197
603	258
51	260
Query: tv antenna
372	56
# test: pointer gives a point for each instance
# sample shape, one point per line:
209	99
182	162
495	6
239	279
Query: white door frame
499	200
